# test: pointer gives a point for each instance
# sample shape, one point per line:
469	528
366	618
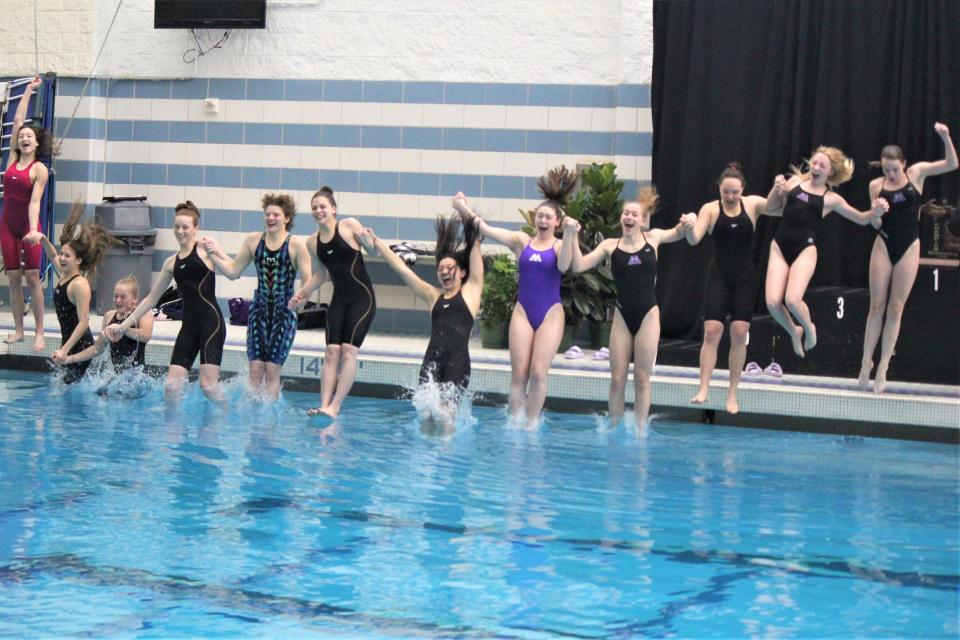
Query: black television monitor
209	14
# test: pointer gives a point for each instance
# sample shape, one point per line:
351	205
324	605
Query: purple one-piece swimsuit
539	283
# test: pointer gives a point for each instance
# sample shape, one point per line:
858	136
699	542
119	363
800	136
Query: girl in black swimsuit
454	305
81	248
895	258
336	256
203	331
731	285
636	320
805	198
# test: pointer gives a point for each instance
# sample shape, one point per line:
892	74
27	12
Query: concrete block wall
394	105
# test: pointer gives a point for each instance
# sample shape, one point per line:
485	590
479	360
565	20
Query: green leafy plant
596	205
499	288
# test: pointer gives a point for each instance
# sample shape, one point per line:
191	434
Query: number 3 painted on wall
840	308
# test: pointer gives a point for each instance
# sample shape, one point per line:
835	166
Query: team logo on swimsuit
535	258
803	197
899	197
810	240
633	261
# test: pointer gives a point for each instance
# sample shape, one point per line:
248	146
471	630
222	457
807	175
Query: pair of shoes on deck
575	353
773	370
406	252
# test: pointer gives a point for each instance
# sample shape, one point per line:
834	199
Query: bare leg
645	356
176	380
348	371
904	275
16	306
271	379
257	371
880	272
210	383
801	271
736	358
776	286
328	378
545	343
621	349
521	348
712	332
36	305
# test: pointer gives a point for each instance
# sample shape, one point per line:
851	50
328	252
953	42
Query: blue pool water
120	518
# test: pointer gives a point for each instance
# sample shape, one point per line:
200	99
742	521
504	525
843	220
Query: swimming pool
122	518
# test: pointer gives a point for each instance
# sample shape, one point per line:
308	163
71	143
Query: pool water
124	518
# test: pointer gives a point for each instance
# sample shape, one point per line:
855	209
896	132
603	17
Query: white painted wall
549	41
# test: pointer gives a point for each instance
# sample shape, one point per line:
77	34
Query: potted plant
591	295
499	298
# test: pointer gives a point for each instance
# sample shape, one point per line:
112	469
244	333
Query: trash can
127	219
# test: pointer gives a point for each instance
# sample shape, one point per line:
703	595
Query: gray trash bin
127	220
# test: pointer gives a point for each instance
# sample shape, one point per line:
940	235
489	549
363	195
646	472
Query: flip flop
573	353
601	354
773	370
753	369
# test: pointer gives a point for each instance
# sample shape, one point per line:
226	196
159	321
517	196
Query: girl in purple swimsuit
536	327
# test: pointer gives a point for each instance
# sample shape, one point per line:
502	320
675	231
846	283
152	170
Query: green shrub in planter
499	298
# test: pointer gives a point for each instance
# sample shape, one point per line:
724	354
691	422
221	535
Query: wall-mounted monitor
209	14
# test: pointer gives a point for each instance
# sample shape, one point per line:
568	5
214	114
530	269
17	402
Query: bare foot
864	379
797	341
39	344
322	412
14	337
811	339
880	381
733	407
701	397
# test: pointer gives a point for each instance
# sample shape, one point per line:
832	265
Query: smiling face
26	141
546	220
731	190
68	259
323	211
633	218
124	299
820	168
274	218
450	274
184	229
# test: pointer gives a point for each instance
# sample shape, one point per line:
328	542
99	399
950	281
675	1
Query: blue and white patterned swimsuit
271	326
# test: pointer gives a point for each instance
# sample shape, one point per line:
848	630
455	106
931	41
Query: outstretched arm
52	255
373	244
666	236
777	196
318	275
583	263
473	287
93	350
116	331
232	269
515	240
705	219
835	202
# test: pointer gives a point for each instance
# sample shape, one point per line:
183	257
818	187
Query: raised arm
758	206
835	202
373	244
565	254
666	236
20	118
52	254
515	240
301	258
777	196
143	331
583	263
918	172
232	269
473	288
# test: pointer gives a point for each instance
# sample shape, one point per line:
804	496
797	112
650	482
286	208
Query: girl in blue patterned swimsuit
279	258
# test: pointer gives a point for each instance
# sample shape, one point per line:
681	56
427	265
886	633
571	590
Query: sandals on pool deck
753	370
601	354
773	370
573	353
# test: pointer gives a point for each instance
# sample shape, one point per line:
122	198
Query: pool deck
389	362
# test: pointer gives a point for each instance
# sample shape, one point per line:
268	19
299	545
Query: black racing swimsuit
447	359
203	330
635	275
900	223
126	352
731	277
67	316
353	304
801	219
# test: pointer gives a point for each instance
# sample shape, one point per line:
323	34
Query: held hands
296	301
571	225
209	245
780	183
459	203
368	239
32	238
60	357
113	332
942	130
688	220
879	207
